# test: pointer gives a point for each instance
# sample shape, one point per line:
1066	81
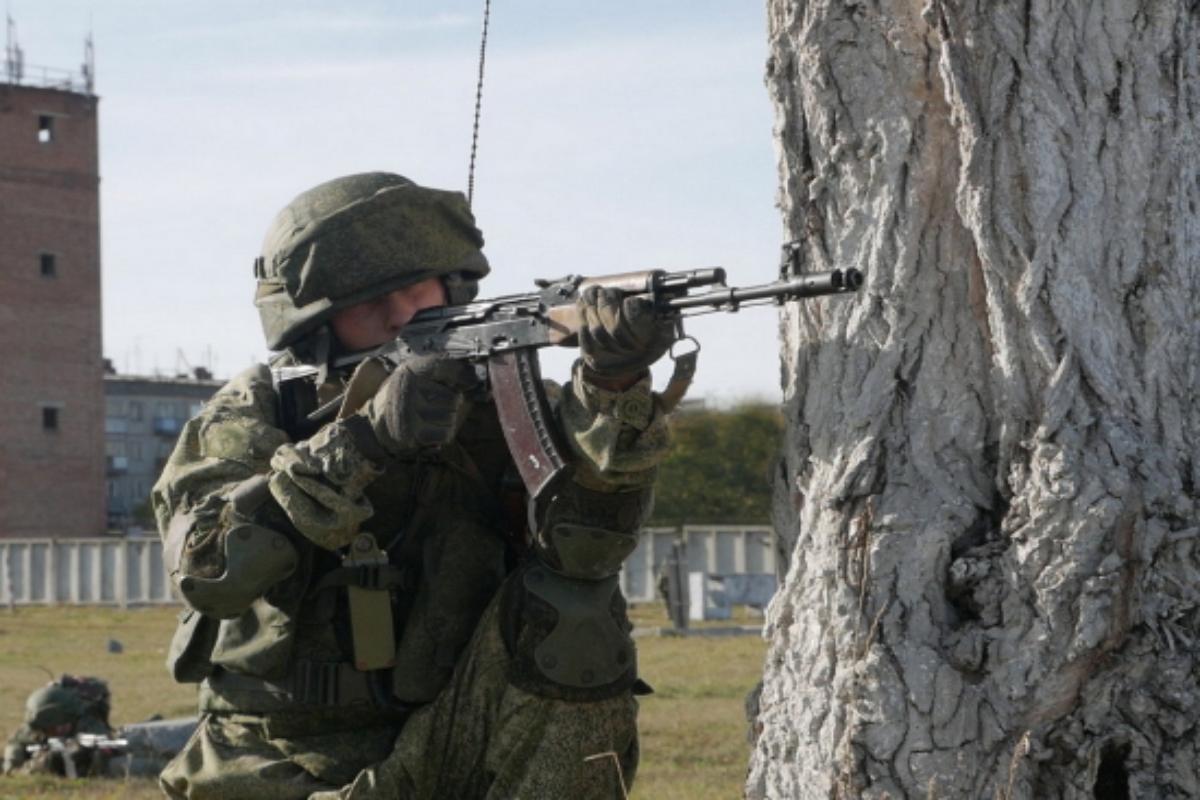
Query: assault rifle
81	741
505	333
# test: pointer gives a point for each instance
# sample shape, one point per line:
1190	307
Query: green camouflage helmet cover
51	706
357	237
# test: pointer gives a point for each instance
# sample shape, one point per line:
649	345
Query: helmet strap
317	349
322	344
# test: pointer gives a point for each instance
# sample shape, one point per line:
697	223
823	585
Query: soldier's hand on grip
619	336
421	404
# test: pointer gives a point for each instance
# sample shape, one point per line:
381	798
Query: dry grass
22	787
693	727
37	643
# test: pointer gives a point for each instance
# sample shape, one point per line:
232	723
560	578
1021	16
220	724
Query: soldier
54	716
372	608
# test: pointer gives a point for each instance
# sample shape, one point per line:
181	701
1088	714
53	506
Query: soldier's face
371	323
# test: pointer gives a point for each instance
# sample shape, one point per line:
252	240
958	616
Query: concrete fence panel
130	572
713	549
109	572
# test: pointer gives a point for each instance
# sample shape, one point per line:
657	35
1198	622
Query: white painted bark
989	494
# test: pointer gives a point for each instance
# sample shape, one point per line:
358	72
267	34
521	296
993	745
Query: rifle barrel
811	285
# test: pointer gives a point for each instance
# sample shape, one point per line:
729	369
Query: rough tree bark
989	492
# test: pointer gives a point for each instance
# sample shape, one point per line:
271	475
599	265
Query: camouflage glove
619	336
421	404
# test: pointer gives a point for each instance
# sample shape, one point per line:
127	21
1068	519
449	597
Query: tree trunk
988	495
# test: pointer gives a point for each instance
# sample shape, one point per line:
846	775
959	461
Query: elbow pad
588	534
256	559
588	552
253	559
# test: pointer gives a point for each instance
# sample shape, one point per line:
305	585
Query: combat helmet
51	706
357	237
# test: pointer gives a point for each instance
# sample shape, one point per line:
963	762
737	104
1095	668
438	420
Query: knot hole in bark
1112	778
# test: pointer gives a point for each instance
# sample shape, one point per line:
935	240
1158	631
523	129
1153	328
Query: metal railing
21	74
129	571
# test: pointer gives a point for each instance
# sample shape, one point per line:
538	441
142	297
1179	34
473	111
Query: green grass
693	727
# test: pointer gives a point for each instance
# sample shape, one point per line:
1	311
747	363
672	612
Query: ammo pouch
188	656
365	575
368	581
259	642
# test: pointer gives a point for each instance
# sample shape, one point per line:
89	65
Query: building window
49	418
48	264
135	410
45	128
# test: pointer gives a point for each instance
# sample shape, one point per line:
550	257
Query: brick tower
51	373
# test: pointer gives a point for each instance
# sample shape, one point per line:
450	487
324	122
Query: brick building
51	387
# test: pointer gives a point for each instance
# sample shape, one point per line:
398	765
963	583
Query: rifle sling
681	381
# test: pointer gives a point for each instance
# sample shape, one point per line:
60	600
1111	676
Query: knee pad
588	534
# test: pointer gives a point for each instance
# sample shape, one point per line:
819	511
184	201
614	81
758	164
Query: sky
614	136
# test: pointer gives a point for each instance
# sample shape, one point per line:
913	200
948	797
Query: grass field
693	727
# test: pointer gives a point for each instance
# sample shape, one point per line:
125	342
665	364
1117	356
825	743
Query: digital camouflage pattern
485	737
481	737
356	237
482	706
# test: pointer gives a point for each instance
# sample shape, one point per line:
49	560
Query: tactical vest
450	529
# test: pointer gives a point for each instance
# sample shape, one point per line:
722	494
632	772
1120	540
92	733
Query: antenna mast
487	11
89	63
14	59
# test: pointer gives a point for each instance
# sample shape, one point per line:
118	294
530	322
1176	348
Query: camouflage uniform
78	705
492	693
